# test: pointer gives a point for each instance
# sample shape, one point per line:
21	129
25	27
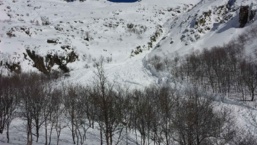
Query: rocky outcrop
14	67
45	64
243	16
38	61
156	35
246	14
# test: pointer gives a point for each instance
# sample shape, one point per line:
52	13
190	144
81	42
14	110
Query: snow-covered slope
207	24
118	32
92	29
125	35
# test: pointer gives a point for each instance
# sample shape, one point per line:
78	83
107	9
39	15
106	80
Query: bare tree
57	117
33	103
27	94
249	76
108	104
195	121
84	114
166	101
8	102
142	113
52	99
70	102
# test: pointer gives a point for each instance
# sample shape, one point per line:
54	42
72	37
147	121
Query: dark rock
150	45
10	34
130	26
58	28
72	57
243	16
163	38
252	14
86	38
55	41
153	38
182	37
66	47
15	67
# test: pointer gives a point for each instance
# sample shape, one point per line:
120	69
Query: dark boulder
54	41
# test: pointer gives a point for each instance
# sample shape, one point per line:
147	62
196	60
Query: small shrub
45	21
10	34
157	63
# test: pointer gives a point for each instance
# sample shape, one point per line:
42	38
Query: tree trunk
126	135
50	134
37	131
29	132
166	133
110	138
7	132
107	137
77	135
101	136
1	130
58	136
72	130
46	133
252	94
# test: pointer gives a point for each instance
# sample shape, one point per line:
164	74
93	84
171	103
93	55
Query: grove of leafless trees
159	115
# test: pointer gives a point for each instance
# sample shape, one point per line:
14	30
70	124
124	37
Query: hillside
89	30
70	38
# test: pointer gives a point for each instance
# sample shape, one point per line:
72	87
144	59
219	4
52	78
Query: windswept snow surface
100	28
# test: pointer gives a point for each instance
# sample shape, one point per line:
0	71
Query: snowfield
92	29
126	36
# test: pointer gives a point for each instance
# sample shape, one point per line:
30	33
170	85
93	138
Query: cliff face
246	14
243	16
